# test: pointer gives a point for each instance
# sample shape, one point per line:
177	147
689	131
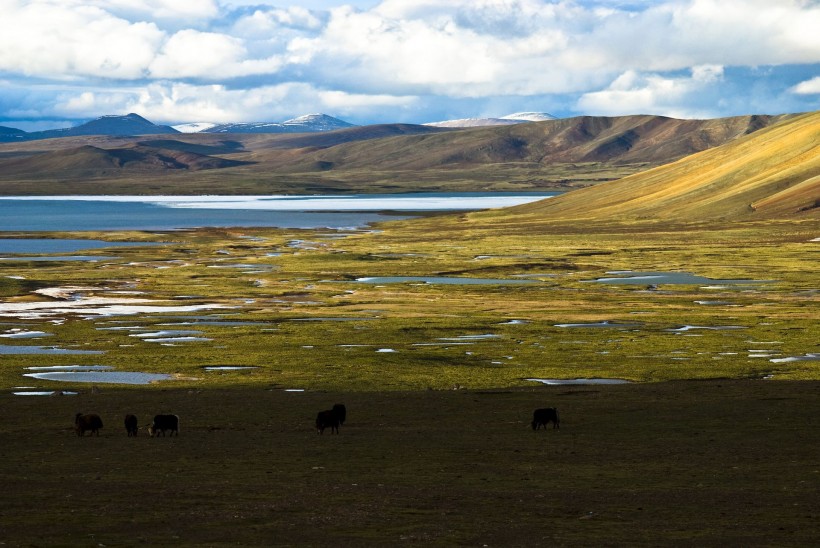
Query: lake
84	213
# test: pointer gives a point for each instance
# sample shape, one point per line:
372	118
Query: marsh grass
414	319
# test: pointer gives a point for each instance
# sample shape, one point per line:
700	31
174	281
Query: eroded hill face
773	172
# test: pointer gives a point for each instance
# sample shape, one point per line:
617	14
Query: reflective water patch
579	381
599	324
46	350
107	377
677	278
803	358
445	280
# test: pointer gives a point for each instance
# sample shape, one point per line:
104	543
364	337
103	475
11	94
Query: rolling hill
91	161
552	154
772	173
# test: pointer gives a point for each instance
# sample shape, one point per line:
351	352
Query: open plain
709	313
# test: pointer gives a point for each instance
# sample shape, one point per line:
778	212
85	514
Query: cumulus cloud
636	93
176	102
607	56
64	41
808	87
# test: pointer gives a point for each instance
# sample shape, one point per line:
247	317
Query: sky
64	62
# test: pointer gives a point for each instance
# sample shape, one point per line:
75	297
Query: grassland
683	463
437	451
714	441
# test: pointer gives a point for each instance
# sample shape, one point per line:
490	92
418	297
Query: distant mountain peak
307	123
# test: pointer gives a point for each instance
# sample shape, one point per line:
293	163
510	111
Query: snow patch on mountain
510	119
302	124
194	127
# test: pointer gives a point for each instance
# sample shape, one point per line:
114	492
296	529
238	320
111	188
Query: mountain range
134	124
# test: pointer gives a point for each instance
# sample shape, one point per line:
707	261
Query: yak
90	422
162	423
327	419
341	412
542	417
131	425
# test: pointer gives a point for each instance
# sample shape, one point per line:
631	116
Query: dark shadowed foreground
679	463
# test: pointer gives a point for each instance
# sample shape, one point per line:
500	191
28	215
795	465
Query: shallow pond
599	324
445	280
676	278
555	382
103	377
45	350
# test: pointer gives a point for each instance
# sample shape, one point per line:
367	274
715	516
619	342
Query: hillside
774	172
619	140
91	161
552	154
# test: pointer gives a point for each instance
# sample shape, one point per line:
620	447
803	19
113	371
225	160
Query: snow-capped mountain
529	116
303	124
194	127
510	119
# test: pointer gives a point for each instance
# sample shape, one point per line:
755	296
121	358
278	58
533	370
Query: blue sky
63	62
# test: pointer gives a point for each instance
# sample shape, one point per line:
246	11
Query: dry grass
674	464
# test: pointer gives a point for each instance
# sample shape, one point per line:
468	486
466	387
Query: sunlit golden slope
774	172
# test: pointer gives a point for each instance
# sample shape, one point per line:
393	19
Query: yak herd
158	427
330	418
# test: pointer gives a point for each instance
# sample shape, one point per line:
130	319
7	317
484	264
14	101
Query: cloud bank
404	60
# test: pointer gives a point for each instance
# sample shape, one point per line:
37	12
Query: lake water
70	213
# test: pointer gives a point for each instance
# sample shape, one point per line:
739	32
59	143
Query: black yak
162	423
131	425
327	419
87	422
341	412
542	417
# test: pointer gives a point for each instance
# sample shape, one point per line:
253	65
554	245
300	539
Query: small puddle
556	382
444	280
675	278
228	367
804	358
706	327
471	337
44	393
599	324
43	350
21	334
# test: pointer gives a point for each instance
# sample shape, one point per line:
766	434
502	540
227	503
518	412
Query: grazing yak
327	419
162	423
542	417
341	413
131	425
87	422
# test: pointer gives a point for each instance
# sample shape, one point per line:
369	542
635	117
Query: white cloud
184	10
64	41
209	56
177	102
636	93
808	87
609	55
